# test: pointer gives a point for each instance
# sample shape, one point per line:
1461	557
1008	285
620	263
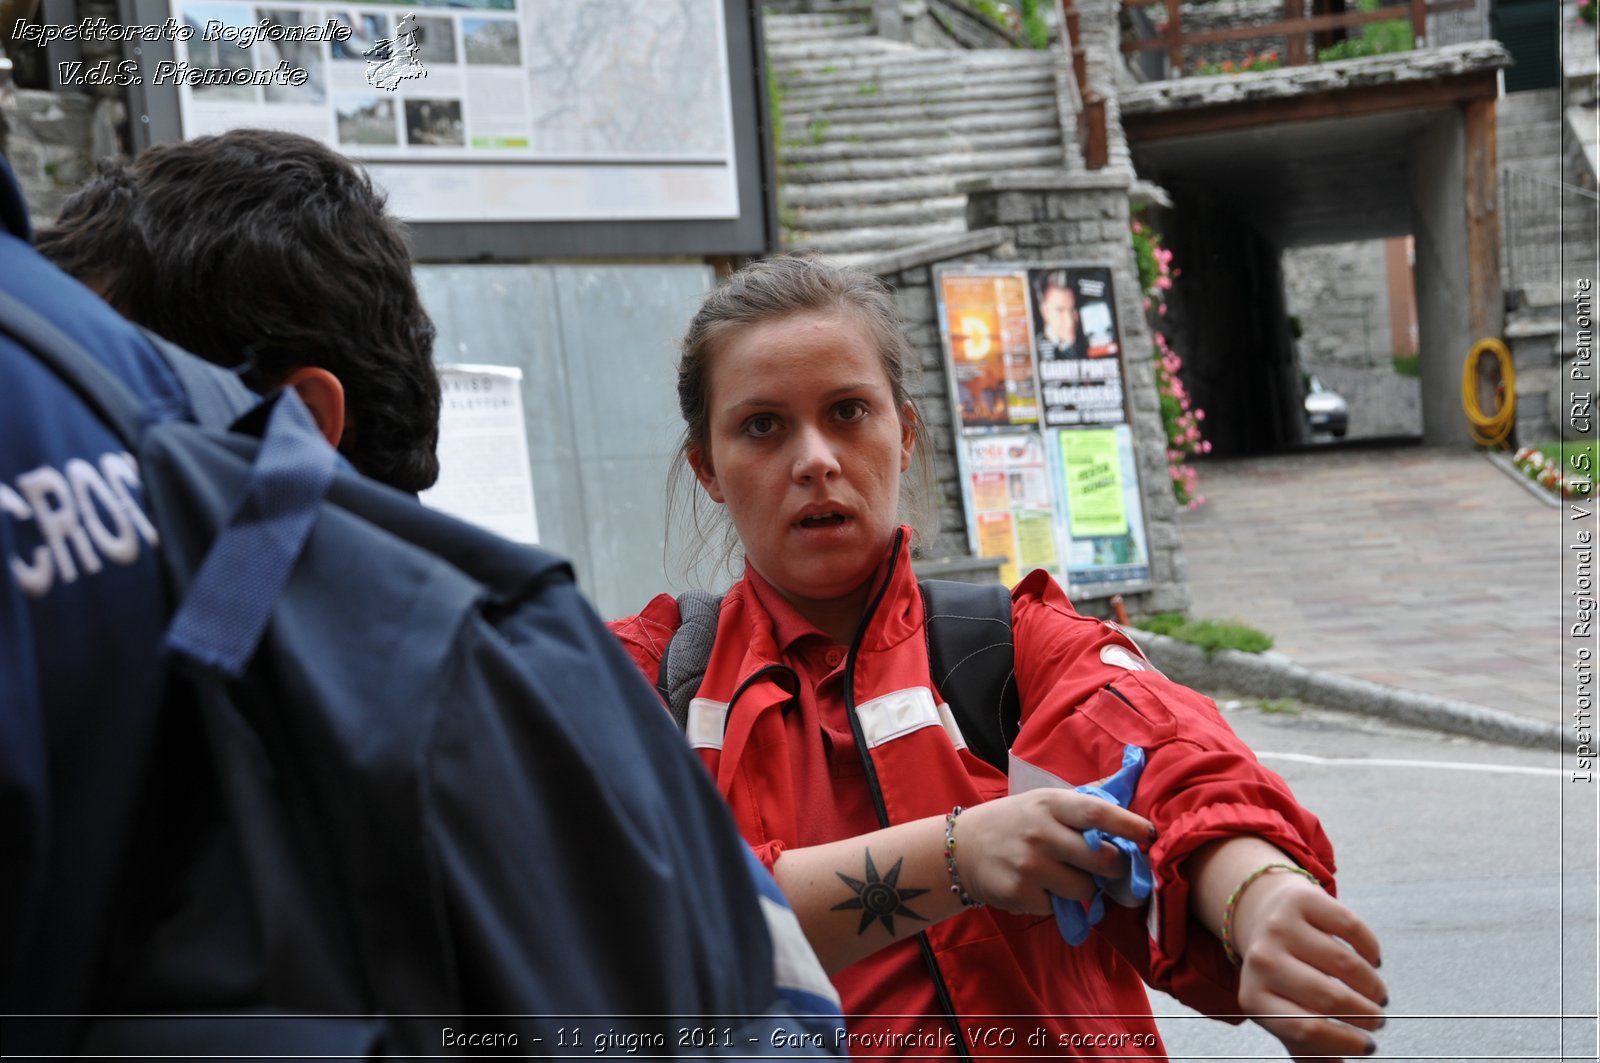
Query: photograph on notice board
985	325
1079	351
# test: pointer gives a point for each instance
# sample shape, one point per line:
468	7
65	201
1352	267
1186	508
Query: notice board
1035	366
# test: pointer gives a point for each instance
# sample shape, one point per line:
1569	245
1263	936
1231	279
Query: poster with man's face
1076	346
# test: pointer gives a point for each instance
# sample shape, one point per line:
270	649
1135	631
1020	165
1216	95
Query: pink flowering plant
1179	416
1586	10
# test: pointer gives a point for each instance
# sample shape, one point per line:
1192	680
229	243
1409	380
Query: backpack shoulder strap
216	397
684	660
82	371
971	657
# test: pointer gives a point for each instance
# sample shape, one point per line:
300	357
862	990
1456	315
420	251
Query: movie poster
987	339
1077	345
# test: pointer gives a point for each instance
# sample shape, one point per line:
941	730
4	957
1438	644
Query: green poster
1093	468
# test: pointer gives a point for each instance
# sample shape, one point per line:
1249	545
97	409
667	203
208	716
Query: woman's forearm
856	896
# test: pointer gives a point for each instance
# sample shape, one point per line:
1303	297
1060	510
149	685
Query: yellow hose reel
1490	429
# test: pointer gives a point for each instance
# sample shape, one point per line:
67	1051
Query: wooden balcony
1295	38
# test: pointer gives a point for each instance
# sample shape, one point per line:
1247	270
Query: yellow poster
1036	539
1093	468
996	539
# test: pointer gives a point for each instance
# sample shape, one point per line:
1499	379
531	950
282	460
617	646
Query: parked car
1326	410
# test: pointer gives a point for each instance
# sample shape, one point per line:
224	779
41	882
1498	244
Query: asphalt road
1474	863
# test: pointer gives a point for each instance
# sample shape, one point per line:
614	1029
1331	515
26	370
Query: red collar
892	623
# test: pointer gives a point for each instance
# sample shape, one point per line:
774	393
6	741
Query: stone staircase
1546	233
877	134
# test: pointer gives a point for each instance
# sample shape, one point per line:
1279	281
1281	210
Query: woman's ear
908	435
323	395
700	462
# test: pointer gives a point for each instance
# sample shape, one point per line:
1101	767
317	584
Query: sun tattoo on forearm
879	899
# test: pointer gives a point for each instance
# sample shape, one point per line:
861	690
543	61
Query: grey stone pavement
1422	568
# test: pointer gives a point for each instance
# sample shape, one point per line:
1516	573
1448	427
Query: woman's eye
762	424
853	410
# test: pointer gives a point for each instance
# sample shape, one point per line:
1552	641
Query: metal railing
1540	220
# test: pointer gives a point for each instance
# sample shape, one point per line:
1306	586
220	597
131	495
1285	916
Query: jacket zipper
940	988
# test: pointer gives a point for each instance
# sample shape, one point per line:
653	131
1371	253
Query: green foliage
1209	635
774	104
1408	364
817	128
1577	458
1035	26
868	88
1276	707
1144	250
1377	38
1030	18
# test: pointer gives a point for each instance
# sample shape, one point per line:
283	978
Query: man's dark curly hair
269	251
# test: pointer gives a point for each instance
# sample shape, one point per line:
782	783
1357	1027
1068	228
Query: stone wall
55	137
1340	292
50	147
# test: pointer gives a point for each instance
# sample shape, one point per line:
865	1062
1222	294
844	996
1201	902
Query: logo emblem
394	59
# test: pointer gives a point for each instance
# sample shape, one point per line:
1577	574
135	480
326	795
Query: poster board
500	128
485	476
1034	362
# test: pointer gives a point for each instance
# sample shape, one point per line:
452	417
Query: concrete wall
1435	174
596	345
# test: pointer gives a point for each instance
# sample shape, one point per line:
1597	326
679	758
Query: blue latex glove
1074	918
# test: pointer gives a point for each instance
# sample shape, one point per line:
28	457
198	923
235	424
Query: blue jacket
82	609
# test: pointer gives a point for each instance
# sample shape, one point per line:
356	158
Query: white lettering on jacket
85	515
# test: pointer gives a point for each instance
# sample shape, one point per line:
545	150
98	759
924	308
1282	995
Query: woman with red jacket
924	877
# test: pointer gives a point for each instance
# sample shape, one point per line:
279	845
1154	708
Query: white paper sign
484	474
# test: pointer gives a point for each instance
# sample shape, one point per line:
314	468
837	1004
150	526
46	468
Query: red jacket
1086	692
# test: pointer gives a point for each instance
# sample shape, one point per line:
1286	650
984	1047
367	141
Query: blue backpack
419	799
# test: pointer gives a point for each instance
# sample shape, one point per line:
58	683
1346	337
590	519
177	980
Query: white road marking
1380	762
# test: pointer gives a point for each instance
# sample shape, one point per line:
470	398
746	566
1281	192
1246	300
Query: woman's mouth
822	520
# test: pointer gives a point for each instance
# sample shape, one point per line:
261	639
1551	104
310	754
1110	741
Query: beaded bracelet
1233	902
950	860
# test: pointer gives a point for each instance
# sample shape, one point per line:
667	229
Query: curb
1507	466
1276	676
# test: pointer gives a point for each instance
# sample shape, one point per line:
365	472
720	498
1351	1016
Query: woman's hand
1013	851
1309	973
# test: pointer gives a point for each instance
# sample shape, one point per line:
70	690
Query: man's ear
700	462
323	395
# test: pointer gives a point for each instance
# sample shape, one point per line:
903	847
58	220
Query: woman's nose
814	458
